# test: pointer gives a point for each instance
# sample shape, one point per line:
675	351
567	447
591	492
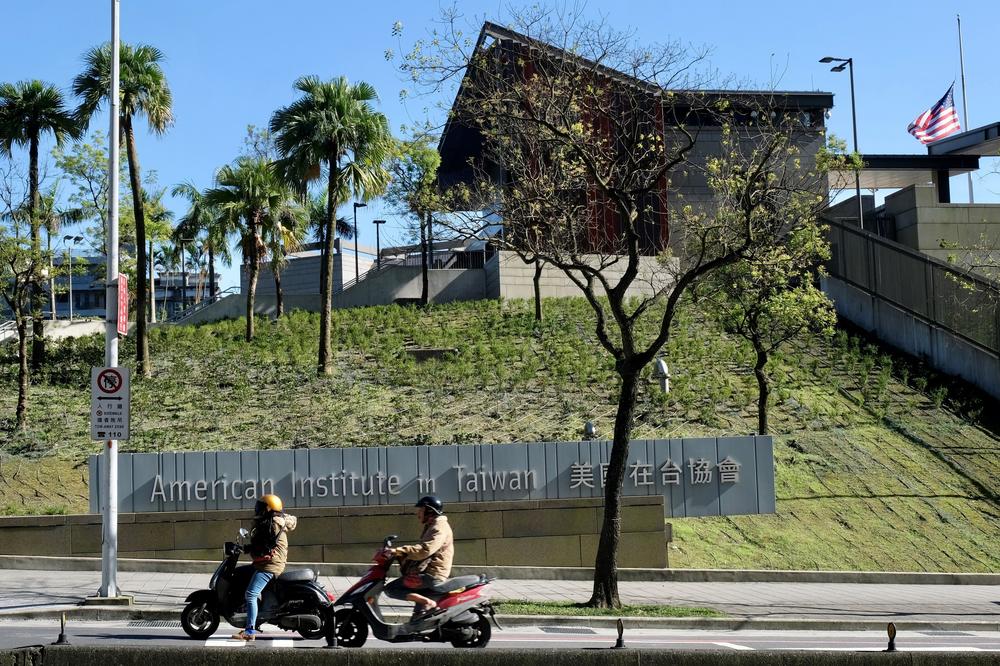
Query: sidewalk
30	592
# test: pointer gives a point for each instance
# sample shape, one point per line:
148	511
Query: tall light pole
184	274
849	64
109	542
378	245
74	240
356	207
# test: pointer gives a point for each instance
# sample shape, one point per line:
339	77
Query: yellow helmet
269	503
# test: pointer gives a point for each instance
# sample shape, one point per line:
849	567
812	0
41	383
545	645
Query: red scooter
462	616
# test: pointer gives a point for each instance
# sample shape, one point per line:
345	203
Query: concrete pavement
25	593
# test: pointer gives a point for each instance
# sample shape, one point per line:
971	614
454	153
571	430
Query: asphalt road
19	633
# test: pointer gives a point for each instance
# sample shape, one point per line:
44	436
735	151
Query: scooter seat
297	576
458	583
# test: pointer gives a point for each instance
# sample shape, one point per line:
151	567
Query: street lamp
378	246
849	64
74	240
184	275
356	207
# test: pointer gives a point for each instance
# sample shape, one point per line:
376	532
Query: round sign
109	381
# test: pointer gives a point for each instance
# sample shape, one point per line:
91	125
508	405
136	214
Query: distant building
300	274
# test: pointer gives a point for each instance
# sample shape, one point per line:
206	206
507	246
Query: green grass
519	607
881	464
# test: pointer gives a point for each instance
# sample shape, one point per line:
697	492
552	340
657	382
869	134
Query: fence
961	303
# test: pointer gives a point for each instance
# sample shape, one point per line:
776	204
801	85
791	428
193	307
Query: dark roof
982	141
898	171
458	142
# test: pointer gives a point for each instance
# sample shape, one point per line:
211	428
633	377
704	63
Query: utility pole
109	499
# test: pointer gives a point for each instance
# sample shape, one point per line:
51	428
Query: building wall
554	533
923	224
515	279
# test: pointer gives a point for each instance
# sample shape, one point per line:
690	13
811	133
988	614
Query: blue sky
232	62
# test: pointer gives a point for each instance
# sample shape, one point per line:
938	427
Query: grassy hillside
880	465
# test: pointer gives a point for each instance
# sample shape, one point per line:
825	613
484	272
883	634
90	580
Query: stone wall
545	533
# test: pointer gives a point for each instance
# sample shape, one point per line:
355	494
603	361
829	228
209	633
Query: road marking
263	642
734	646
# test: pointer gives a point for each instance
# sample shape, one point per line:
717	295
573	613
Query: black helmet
432	503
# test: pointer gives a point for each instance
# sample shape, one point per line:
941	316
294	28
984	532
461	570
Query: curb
118	613
45	563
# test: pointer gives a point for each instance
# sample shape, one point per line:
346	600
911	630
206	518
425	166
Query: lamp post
849	64
74	240
378	246
357	205
184	275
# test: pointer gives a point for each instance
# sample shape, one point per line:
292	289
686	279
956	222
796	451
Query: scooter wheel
352	628
481	635
199	621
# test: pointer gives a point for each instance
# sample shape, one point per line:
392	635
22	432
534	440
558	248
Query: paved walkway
35	590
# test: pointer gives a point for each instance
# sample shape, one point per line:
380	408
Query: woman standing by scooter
269	550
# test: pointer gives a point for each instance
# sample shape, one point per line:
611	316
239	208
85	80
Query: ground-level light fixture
662	372
589	430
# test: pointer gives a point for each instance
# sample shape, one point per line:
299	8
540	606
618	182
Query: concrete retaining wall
543	533
516	278
201	656
914	335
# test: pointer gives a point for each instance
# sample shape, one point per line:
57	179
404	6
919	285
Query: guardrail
180	316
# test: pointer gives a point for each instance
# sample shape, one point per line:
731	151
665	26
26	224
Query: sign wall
697	477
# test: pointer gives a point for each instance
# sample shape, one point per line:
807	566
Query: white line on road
734	646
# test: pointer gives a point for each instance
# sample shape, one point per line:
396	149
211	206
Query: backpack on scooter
264	542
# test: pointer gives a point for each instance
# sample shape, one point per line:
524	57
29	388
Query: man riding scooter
269	550
426	565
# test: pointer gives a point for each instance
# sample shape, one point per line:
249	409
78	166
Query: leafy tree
247	194
594	135
413	191
334	125
20	271
771	298
283	234
143	92
29	110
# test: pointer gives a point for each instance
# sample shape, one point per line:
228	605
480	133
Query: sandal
243	636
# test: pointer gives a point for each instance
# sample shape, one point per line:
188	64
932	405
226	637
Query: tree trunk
763	388
325	364
605	594
22	374
37	324
211	272
152	287
276	270
424	260
538	289
142	360
254	270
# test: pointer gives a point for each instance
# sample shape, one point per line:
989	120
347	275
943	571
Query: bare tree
584	135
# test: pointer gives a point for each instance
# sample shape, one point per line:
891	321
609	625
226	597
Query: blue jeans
257	583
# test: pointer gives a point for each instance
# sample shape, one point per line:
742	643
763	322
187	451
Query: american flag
937	122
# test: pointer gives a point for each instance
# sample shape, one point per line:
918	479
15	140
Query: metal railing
8	330
186	313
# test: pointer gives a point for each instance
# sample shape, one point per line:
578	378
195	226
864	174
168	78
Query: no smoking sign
110	403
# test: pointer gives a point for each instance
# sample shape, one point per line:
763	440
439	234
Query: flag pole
965	100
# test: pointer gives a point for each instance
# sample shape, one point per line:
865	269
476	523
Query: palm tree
204	219
29	109
333	124
247	194
317	224
143	92
282	235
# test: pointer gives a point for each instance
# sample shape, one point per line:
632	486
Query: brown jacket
434	553
280	525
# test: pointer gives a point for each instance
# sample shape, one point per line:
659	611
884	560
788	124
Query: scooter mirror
244	533
387	542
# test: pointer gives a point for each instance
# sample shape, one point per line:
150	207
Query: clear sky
231	63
